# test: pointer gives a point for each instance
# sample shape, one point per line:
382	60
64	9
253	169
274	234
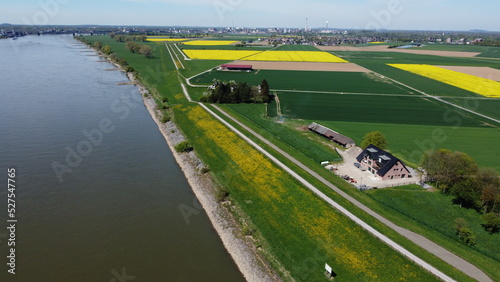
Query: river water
98	191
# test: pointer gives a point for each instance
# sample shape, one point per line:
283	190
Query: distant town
293	36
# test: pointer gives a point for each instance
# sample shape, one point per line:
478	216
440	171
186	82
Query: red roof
237	66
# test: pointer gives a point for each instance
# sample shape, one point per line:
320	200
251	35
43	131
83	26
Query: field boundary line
350	93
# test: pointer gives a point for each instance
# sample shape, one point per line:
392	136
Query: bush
122	62
467	236
166	118
130	69
205	170
247	231
222	194
183	147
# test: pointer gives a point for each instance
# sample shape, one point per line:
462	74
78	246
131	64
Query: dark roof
383	158
236	66
331	134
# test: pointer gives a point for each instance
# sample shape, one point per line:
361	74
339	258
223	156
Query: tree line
132	45
457	174
237	92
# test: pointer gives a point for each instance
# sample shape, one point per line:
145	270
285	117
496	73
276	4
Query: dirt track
484	72
303	66
383	48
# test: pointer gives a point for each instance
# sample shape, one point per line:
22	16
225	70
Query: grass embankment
297	228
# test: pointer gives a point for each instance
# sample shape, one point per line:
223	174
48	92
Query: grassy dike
296	231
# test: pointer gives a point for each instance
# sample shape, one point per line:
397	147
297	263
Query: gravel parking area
365	177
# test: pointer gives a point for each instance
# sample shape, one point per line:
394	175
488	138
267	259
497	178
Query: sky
341	14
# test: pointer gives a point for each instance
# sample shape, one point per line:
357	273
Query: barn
332	135
229	67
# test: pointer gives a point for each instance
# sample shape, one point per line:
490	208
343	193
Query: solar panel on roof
372	150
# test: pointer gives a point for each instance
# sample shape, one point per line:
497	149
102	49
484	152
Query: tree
467	193
264	90
489	180
98	45
143	38
447	168
146	51
375	138
106	49
133	47
491	222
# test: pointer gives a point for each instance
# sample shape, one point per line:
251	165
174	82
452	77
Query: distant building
332	135
228	67
383	164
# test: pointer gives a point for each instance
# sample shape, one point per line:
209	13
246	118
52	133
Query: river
97	189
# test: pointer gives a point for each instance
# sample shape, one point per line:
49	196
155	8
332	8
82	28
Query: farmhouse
332	135
228	67
382	164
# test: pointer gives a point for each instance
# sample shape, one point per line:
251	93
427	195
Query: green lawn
309	81
437	211
306	143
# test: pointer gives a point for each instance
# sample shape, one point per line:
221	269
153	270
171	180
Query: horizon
391	15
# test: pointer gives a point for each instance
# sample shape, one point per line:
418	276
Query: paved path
423	242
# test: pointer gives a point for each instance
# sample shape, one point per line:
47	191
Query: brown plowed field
383	48
303	66
484	72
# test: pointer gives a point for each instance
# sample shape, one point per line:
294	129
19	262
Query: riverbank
241	248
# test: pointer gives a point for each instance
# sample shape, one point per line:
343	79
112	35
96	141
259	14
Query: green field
489	107
486	51
309	81
437	211
368	109
296	48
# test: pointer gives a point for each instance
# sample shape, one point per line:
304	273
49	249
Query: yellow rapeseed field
296	56
482	86
210	42
218	54
275	56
